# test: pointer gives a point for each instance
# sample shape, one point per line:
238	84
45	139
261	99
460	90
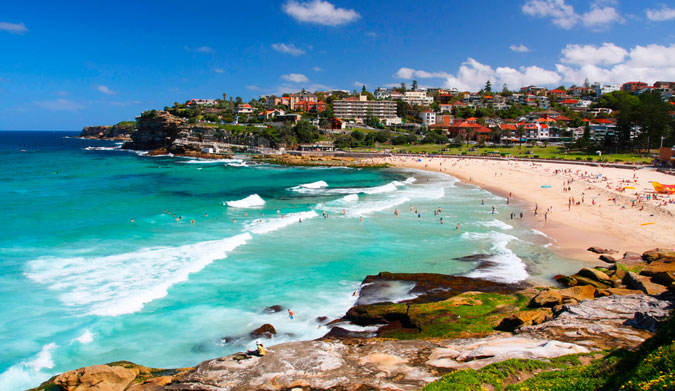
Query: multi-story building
291	100
602	89
417	98
307	106
243	108
359	108
428	117
633	86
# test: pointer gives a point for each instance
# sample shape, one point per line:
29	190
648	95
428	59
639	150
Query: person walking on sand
291	314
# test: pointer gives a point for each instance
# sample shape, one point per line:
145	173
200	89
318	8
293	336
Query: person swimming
291	314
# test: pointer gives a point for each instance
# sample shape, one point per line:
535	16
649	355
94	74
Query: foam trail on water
507	266
264	226
85	338
102	148
494	224
23	375
251	201
365	208
213	161
309	187
121	284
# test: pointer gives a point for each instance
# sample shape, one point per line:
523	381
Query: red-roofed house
308	106
243	108
569	102
633	86
557	93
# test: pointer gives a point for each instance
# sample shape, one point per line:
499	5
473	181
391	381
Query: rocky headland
121	131
443	327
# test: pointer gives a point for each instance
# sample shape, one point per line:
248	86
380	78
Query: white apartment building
428	117
419	98
606	88
359	108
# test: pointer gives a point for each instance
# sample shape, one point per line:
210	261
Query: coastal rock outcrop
155	130
599	323
122	131
366	365
264	331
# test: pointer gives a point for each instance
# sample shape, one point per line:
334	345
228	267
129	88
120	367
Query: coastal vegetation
651	367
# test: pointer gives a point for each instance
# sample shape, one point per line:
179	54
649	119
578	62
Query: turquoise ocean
83	284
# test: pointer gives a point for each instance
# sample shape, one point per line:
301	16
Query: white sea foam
309	187
23	375
537	232
213	161
320	188
123	283
251	201
85	338
494	224
102	148
264	226
349	198
507	266
364	208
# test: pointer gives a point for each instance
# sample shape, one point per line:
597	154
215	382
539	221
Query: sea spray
251	201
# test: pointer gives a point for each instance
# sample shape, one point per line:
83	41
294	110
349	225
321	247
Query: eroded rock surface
599	323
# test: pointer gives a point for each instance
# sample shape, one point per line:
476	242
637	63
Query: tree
488	87
414	85
520	132
506	91
403	89
435	137
305	132
363	89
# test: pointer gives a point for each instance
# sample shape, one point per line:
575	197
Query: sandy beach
577	205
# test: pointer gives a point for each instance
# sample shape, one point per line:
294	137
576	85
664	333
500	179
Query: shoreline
608	224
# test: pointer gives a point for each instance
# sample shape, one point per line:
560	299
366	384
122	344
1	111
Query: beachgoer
395	212
291	314
441	220
361	219
493	210
457	227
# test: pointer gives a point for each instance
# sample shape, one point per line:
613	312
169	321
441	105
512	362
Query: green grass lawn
524	151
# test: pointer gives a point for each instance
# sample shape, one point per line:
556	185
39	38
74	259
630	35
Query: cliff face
166	132
156	131
115	132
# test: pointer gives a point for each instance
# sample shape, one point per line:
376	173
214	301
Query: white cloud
60	104
661	15
519	48
317	69
371	34
600	16
319	12
105	90
13	28
642	63
359	84
409	73
200	49
219	70
562	14
287	49
607	54
295	77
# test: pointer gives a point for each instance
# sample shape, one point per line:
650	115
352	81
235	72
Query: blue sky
65	65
